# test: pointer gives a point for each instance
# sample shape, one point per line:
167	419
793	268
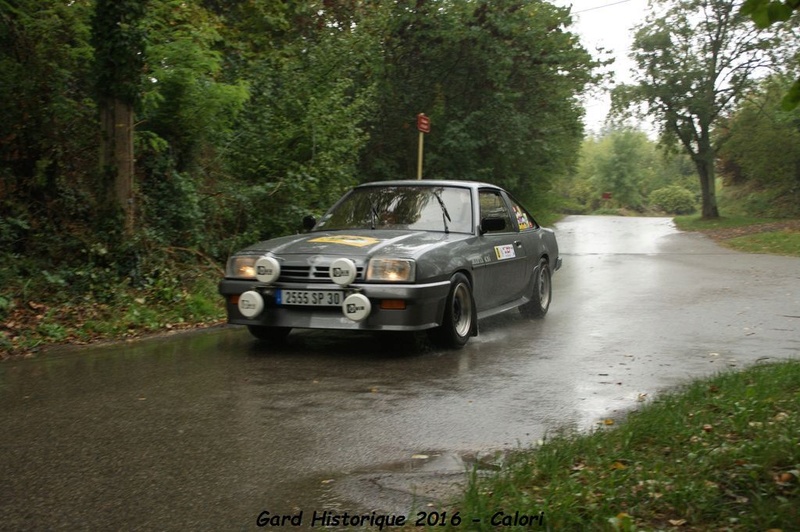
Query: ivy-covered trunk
116	154
119	45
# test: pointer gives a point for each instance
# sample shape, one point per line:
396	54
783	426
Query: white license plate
310	298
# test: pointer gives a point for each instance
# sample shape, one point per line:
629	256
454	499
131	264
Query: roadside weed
719	454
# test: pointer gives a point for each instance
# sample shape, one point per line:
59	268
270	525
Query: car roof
430	182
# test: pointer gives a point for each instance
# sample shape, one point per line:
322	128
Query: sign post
424	126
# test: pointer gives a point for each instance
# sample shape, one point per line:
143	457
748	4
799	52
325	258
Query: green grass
773	242
696	223
748	234
719	454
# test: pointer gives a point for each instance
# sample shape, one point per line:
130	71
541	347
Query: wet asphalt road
206	430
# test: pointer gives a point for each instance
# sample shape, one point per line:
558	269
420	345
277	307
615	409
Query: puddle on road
424	481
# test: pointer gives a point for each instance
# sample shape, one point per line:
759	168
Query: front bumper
424	308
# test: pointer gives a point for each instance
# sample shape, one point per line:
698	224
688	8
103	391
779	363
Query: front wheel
542	292
459	315
273	335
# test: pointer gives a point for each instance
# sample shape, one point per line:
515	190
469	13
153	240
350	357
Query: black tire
459	315
542	292
273	335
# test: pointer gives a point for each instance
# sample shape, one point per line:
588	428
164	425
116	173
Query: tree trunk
704	160
705	169
116	155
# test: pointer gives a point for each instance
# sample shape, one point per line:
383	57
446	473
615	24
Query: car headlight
391	270
242	267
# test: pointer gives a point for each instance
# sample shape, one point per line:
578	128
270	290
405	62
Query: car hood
404	244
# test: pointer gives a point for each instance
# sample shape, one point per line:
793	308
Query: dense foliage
762	153
228	120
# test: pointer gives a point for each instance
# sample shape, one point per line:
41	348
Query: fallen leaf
707	428
622	521
608	421
677	522
618	465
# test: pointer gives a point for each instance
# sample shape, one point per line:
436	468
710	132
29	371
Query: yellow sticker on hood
347	240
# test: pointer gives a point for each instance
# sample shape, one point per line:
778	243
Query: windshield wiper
445	214
373	213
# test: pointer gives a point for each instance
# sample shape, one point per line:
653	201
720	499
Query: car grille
317	274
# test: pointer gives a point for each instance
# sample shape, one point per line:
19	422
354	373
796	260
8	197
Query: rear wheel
542	293
459	315
275	335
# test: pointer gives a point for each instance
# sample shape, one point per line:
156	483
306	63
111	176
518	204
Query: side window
525	221
493	206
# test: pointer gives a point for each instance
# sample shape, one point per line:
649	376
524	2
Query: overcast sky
607	24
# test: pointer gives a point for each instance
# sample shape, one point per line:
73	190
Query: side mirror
492	224
309	222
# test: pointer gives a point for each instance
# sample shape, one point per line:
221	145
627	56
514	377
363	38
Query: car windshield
417	208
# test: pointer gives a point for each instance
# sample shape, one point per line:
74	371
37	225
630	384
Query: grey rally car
398	256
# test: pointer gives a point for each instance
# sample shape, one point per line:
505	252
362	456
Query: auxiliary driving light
356	307
268	269
343	271
251	304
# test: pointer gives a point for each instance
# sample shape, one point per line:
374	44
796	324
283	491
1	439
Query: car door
504	271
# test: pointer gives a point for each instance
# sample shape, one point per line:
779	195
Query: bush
674	199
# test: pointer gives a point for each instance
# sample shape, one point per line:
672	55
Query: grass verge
718	454
31	322
748	234
696	223
785	242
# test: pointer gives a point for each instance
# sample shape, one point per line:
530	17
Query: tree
184	120
765	13
300	135
625	167
693	59
43	59
119	44
626	164
763	147
500	82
